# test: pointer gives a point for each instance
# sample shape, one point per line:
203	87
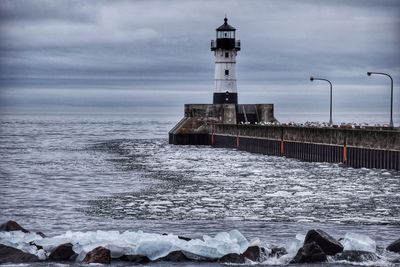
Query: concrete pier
370	148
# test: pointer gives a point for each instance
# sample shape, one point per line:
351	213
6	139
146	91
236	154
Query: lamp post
369	73
330	109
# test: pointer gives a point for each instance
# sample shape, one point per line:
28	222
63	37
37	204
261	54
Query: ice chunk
226	248
41	254
204	251
81	256
154	249
17	237
353	241
107	235
117	251
255	242
237	237
51	243
295	244
151	245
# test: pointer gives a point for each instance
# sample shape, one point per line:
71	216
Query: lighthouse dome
226	26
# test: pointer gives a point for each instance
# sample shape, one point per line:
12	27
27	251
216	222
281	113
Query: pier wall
353	147
221	126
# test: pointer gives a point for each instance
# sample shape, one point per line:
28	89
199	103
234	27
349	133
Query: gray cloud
84	45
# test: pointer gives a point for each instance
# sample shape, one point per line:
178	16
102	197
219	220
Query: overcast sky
147	53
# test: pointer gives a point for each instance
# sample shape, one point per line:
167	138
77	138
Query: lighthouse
225	49
198	125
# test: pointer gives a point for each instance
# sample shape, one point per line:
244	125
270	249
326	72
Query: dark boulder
277	252
135	259
309	253
192	256
12	226
327	243
41	234
184	238
232	258
253	253
394	246
63	252
13	255
175	256
98	255
356	256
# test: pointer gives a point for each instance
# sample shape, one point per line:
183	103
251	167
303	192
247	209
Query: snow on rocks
17	246
93	247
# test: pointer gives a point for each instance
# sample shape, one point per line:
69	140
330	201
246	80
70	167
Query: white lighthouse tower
225	49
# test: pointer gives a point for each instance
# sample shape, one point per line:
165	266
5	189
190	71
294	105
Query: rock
192	256
356	256
252	253
32	243
180	237
175	256
327	243
13	255
309	253
63	252
135	259
232	258
41	234
12	226
394	246
277	252
184	238
98	255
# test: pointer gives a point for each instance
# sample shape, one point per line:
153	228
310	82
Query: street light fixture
369	73
330	109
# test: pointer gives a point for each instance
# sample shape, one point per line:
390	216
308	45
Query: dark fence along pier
370	148
216	125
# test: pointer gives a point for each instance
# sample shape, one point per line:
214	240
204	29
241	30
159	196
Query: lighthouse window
225	34
226	72
226	54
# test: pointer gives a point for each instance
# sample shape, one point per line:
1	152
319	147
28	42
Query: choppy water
118	172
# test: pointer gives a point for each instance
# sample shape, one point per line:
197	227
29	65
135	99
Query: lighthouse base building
197	126
199	121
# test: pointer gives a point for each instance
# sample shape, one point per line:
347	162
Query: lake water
84	172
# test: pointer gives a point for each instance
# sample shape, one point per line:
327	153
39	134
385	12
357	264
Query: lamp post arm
323	80
391	93
330	99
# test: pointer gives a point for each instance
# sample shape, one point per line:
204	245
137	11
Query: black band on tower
225	98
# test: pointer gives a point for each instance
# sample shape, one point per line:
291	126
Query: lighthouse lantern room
225	49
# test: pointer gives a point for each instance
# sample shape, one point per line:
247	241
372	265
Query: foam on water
224	183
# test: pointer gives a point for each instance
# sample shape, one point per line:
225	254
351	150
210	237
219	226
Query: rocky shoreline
226	248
